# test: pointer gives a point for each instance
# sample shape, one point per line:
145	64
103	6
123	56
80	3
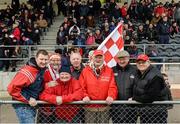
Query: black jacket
124	79
148	86
34	89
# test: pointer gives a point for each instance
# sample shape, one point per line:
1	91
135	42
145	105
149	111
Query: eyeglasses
141	62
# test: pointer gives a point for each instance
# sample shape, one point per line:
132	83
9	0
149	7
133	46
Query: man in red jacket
27	85
97	81
67	90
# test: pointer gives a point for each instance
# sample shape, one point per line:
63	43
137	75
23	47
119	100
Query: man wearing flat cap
97	81
124	76
148	87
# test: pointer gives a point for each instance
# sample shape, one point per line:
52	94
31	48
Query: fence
166	51
97	112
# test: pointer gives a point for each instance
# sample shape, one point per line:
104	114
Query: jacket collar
32	62
121	68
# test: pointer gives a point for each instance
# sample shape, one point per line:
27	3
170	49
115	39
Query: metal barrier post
29	52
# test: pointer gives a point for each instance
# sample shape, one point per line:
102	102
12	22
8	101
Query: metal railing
28	50
96	112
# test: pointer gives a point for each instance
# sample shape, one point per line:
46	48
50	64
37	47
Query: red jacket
17	33
160	10
23	78
70	91
98	88
124	11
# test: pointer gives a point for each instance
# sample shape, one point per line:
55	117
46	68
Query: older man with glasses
148	87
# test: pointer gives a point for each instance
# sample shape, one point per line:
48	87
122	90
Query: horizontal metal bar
93	102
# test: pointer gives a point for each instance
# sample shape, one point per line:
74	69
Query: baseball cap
122	53
98	52
143	57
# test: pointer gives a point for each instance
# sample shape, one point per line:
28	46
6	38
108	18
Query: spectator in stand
49	13
27	85
111	8
90	39
105	31
93	78
163	30
16	31
116	14
124	75
112	26
82	22
131	12
67	90
140	11
174	29
124	10
160	9
151	33
98	36
42	22
28	33
141	33
74	30
61	36
90	21
74	10
91	7
36	34
155	19
103	16
80	41
132	49
83	9
177	13
96	7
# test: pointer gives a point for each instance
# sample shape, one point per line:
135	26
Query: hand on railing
59	100
32	102
86	99
109	100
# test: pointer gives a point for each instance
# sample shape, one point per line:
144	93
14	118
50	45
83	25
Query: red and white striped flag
112	45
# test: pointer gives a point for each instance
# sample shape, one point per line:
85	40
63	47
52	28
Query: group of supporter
22	24
89	23
47	78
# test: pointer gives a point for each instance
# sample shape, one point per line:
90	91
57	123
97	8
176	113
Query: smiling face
98	60
123	61
64	76
42	60
142	65
55	62
75	59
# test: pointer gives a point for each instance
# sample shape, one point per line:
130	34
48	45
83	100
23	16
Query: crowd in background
22	24
145	22
88	23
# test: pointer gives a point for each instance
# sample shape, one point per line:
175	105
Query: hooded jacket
28	82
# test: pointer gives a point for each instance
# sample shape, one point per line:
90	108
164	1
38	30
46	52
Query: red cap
98	52
143	57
